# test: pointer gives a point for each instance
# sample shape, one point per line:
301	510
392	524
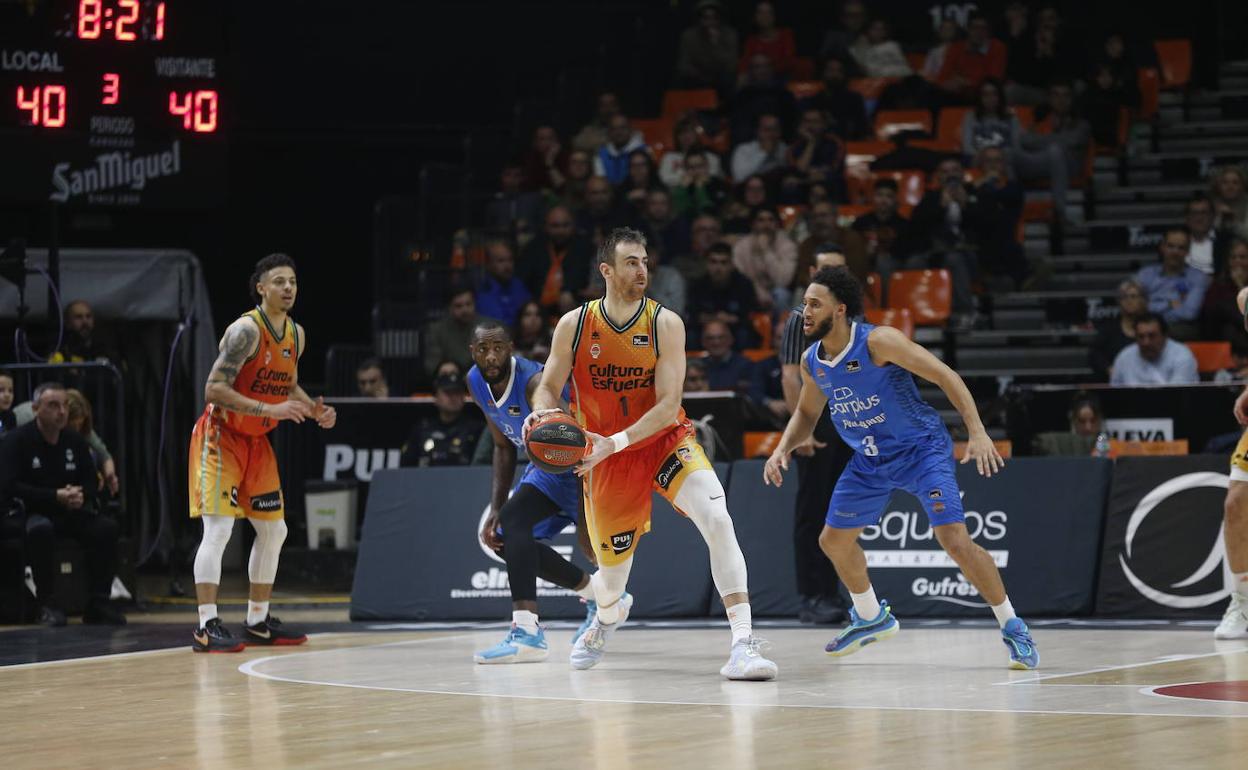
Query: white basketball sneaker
591	645
1234	623
746	662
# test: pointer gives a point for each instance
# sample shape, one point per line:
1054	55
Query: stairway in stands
1040	335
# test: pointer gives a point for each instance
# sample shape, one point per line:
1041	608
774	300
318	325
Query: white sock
1239	584
587	593
741	621
865	604
525	620
1004	612
609	615
256	612
206	613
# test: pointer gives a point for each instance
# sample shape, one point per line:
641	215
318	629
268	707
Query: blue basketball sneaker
519	647
1023	653
591	610
859	633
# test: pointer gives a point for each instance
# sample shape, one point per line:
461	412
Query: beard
500	377
821	330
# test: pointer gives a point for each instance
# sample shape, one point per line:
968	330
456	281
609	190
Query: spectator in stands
663	226
825	232
687	138
1220	318
594	134
768	257
704	233
580	169
695	377
370	379
990	123
837	41
612	160
1041	58
81	421
846	109
725	296
1207	252
1115	334
1059	130
532	337
643	177
1229	191
8	421
940	234
877	54
1086	423
1175	289
698	191
761	93
1102	103
1001	202
51	471
767	390
448	438
545	162
447	338
667	286
602	212
1154	359
817	154
776	43
737	212
971	61
513	210
554	267
946	34
80	343
762	155
725	368
501	294
882	229
706	56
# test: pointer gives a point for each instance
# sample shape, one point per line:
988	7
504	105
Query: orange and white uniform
232	468
612	387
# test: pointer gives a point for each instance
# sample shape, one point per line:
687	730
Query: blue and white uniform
898	439
508	414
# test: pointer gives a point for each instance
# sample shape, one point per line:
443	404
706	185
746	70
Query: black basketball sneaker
270	631
215	637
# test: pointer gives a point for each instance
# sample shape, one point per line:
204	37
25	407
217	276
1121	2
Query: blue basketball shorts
925	470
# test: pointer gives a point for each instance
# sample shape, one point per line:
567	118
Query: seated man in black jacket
50	470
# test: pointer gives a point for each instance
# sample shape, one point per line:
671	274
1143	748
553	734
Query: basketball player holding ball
626	358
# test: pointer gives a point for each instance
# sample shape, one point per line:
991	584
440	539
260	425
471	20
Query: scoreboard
113	103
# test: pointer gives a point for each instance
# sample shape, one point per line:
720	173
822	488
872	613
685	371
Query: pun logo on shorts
622	542
671	466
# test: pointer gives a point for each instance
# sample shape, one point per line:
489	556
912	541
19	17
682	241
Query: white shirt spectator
750	158
1200	254
672	167
1175	366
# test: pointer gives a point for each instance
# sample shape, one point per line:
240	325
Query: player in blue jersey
542	505
863	373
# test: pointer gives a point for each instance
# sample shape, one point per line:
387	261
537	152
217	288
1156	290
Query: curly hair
844	286
265	265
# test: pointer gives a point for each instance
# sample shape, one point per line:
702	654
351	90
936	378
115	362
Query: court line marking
1152	690
1159	660
135	654
249	668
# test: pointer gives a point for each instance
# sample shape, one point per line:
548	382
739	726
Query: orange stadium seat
760	443
875	291
657	132
889	123
911	184
1147	448
865	152
898	318
1211	356
758	354
761	322
916	61
1005	448
1175	57
927	294
870	88
804	89
1150	92
678	102
949	125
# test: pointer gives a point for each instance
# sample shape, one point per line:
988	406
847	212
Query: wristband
620	440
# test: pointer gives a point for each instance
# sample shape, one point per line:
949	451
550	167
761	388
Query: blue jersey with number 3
877	410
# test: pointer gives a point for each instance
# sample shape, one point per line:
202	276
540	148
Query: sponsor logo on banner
493	582
1140	429
364	462
1201	568
114	170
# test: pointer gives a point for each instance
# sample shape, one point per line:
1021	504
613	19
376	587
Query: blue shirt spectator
1154	359
1175	289
612	158
501	294
725	368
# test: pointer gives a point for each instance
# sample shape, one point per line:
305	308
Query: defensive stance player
233	473
1234	623
543	504
626	357
863	374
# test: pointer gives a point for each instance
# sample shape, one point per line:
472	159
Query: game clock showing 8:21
113	103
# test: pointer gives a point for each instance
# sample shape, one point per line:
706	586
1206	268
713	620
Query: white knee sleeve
262	566
217	531
701	498
609	584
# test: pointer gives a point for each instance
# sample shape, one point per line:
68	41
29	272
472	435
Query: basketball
556	443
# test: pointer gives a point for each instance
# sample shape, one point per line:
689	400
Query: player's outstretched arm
887	345
558	366
801	427
241	341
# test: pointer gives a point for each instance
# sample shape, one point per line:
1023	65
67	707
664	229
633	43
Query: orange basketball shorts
617	491
232	474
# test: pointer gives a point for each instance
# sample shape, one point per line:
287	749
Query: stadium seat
804	89
657	132
949	125
1211	356
1147	448
911	184
898	318
916	60
875	291
1175	58
889	123
677	102
758	354
760	443
1005	448
927	294
870	88
1150	92
865	152
761	322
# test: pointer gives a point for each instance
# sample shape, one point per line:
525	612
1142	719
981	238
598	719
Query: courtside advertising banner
1040	520
1164	555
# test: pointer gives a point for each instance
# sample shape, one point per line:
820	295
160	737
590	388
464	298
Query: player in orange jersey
626	357
253	385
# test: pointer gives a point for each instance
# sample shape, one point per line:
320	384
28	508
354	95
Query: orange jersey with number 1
268	376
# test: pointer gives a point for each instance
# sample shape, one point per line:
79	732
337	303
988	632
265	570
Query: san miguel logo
115	170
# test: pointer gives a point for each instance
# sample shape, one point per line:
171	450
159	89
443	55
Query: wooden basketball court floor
935	696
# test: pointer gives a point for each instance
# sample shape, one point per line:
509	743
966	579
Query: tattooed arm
241	341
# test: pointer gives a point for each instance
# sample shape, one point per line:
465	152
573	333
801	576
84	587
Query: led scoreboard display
113	103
